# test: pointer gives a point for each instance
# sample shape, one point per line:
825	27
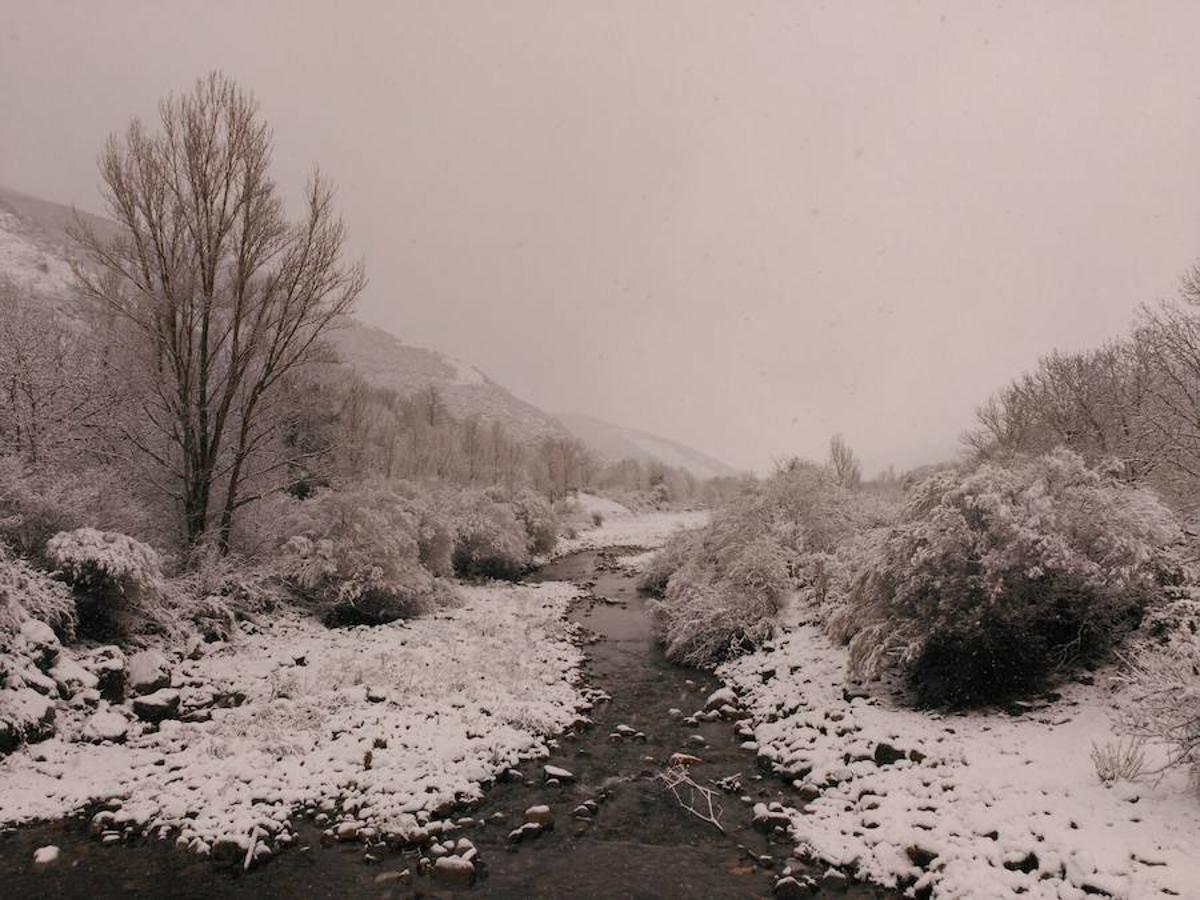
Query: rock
834	880
71	677
807	791
625	730
108	665
723	697
582	812
106	725
454	872
768	819
162	704
528	830
558	773
42	642
194	649
886	754
376	695
684	760
790	886
348	831
675	713
697	740
540	815
147	672
404	876
46	856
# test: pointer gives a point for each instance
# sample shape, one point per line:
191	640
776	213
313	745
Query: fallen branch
704	803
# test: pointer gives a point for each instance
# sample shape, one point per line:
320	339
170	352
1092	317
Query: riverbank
982	805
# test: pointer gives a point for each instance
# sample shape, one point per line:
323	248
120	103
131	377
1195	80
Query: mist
745	227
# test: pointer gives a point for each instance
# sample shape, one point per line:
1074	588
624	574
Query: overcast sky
742	225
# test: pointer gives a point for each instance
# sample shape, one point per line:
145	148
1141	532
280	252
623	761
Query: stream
639	843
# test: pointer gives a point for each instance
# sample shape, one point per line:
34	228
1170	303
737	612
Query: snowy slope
386	361
614	442
35	253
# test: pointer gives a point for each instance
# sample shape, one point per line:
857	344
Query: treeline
1134	401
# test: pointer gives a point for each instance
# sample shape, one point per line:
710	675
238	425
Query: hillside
613	442
35	252
386	361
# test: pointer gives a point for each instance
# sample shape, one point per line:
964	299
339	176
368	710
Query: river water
641	843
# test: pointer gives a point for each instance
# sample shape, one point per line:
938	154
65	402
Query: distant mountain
386	361
614	442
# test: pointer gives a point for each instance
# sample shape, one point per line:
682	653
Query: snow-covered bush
27	593
998	576
217	591
355	554
725	586
537	517
665	563
116	578
491	541
1164	677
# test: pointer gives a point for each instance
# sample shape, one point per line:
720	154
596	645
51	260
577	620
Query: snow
29	263
468	693
976	798
622	527
464	373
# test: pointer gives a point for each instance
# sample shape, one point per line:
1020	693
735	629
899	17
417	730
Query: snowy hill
35	253
386	361
614	442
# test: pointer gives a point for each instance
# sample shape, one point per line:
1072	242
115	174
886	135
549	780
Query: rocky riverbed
656	793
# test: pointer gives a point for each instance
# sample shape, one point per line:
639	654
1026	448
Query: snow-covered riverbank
976	805
384	723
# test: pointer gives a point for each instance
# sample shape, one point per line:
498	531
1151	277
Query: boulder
790	886
454	872
540	815
106	725
71	677
162	704
42	642
723	697
558	773
147	672
108	665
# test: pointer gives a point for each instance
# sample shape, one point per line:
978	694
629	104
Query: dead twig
704	803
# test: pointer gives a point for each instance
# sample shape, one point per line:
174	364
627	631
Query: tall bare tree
226	296
847	471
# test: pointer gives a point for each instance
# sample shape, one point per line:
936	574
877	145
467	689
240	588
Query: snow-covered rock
162	704
106	725
148	671
46	856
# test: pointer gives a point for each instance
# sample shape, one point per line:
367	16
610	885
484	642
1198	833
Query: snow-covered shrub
116	578
491	542
27	593
665	563
998	576
355	554
1121	760
218	591
1164	677
537	517
732	579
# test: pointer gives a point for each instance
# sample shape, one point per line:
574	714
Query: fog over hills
613	442
35	252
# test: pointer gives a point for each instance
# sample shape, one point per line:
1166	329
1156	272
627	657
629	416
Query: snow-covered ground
621	527
378	726
979	805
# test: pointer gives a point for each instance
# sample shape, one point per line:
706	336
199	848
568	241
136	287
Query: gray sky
741	225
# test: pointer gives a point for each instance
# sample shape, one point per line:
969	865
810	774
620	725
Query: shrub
355	554
116	579
665	563
27	593
219	591
1120	760
725	586
999	576
491	542
1164	677
537	517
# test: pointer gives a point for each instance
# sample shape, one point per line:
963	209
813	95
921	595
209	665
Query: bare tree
847	471
225	294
